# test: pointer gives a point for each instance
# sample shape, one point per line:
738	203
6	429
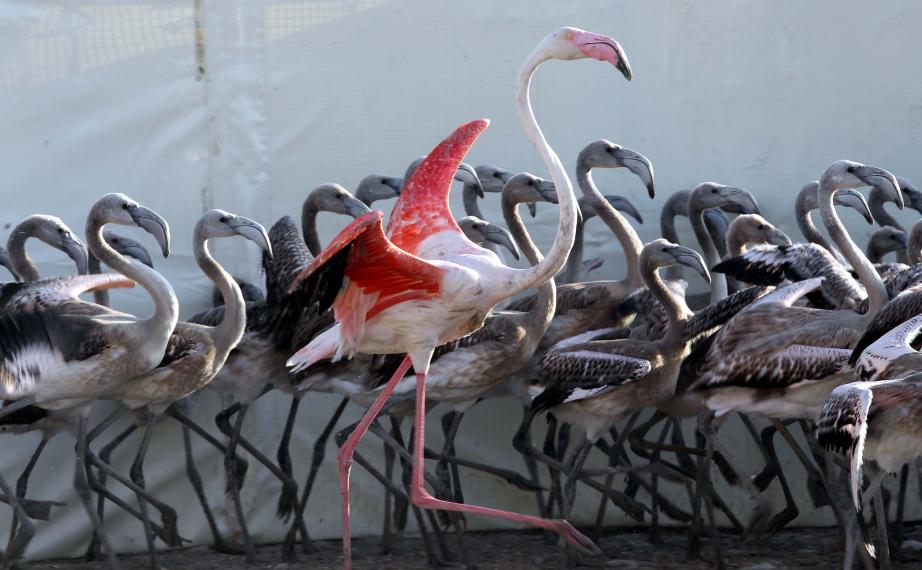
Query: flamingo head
573	43
219	223
117	208
848	174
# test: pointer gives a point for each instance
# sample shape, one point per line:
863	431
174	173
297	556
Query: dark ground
800	548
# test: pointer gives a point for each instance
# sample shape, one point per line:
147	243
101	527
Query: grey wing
843	426
708	319
900	309
579	374
788	367
31	343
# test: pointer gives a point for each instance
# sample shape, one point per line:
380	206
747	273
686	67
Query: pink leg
421	498
346	452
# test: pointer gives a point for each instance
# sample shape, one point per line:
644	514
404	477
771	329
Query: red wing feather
422	208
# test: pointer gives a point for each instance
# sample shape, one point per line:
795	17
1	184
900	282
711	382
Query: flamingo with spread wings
423	283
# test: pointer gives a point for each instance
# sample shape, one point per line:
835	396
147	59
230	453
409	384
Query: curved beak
75	250
591	264
500	236
154	224
532	209
138	252
252	231
547	190
354	207
741	201
624	206
691	258
873	176
468	175
854	199
778	237
639	165
902	239
5	261
604	48
395	184
914	198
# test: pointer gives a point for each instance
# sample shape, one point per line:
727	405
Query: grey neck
471	202
309	212
624	232
676	309
546	303
228	333
711	256
867	274
876	200
100	296
16	247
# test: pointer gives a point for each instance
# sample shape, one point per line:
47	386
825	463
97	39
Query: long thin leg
81	485
289	486
105	455
234	484
450	424
317	456
709	492
344	456
532	467
420	497
550	450
137	475
881	515
220	543
401	509
790	510
523	445
22	484
899	531
284	459
19	540
569	491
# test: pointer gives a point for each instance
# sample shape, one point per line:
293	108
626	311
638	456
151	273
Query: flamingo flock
416	310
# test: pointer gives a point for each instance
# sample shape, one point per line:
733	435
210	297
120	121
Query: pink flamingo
424	284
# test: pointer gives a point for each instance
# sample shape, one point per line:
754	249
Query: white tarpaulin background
248	104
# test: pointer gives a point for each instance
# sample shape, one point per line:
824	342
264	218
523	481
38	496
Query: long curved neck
571	271
471	204
805	204
16	247
309	225
166	307
546	303
914	244
228	333
100	296
677	311
711	256
675	205
566	230
877	293
876	201
624	233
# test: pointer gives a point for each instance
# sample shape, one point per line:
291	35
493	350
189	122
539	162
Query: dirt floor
804	548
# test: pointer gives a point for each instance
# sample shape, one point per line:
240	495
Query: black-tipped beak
532	209
691	258
639	165
396	184
547	190
744	201
623	65
901	239
851	198
500	236
873	176
5	261
138	252
467	175
154	224
75	250
624	206
253	231
778	237
355	207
